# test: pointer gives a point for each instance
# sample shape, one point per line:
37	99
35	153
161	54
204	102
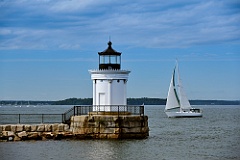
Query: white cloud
68	6
72	24
4	32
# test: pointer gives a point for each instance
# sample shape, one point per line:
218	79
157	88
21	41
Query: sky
48	46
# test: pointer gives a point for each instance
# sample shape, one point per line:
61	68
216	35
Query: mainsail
172	98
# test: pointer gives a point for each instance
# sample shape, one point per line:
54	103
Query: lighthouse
109	117
109	81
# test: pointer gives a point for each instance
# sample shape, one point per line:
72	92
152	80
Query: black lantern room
109	58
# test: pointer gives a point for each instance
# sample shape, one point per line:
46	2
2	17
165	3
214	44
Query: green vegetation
74	101
146	101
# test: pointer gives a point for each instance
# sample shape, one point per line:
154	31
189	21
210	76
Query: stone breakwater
81	127
19	132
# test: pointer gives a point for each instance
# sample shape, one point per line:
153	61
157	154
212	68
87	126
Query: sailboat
177	103
28	105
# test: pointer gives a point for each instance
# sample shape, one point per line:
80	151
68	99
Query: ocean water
214	136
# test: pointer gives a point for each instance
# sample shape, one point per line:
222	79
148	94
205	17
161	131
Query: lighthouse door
102	101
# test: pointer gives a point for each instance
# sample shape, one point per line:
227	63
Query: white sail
172	98
184	102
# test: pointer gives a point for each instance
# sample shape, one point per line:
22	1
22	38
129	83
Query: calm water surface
214	136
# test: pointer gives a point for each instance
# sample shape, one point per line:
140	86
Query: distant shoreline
130	101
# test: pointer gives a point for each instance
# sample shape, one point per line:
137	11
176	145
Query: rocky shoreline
20	132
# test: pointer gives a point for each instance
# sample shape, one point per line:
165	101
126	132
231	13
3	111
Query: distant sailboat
177	99
28	105
16	104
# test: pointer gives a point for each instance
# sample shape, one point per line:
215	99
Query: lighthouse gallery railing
101	109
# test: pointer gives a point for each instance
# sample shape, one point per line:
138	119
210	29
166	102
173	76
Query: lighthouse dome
109	58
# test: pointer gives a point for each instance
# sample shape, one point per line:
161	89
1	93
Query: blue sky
48	46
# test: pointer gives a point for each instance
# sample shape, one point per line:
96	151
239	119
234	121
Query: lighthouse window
103	59
109	59
113	59
118	59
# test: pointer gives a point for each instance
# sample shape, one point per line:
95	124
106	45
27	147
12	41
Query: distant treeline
130	101
161	101
74	101
146	101
24	102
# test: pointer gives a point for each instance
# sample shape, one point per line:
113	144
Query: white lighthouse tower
109	81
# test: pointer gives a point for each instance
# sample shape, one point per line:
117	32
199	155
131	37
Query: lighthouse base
107	126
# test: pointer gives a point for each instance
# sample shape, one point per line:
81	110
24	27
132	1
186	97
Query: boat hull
183	114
